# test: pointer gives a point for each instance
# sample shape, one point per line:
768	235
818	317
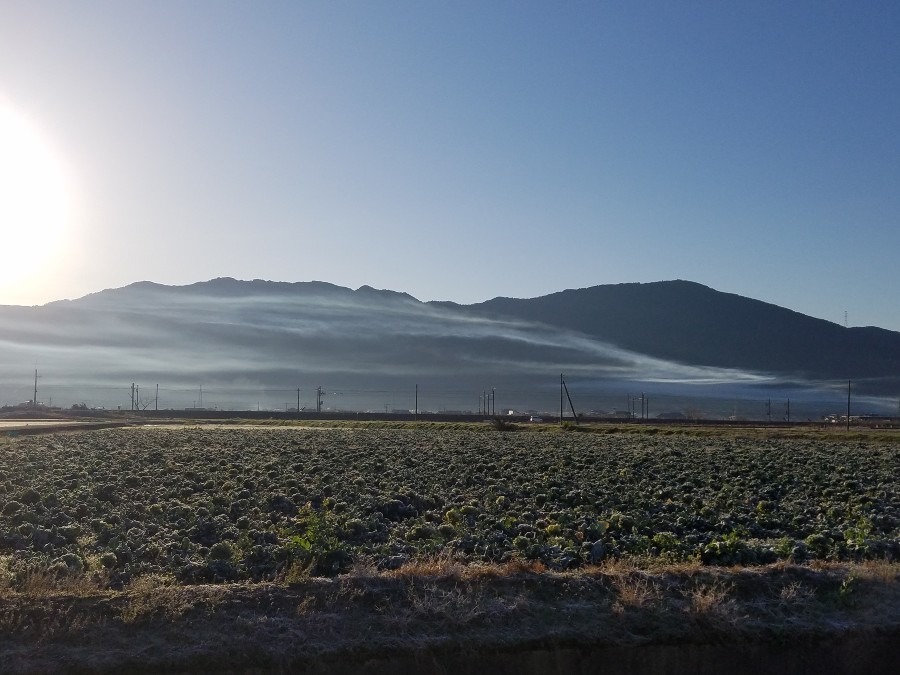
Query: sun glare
34	206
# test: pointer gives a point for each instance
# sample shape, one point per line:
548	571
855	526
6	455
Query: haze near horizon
454	151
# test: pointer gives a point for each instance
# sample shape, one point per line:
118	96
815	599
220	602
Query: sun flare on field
34	205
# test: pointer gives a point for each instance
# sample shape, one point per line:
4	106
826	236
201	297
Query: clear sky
455	150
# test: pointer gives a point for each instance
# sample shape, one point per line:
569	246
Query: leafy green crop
238	503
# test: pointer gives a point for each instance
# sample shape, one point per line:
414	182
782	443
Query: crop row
217	504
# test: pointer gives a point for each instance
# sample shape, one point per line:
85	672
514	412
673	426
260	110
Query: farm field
460	528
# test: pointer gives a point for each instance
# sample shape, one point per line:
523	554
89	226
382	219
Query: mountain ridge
274	334
225	286
731	331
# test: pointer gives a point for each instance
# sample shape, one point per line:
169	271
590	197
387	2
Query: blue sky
464	150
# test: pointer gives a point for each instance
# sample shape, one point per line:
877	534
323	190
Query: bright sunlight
34	204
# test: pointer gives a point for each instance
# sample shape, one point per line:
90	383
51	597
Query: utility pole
788	411
34	400
416	416
493	401
156	404
201	395
643	399
132	396
298	400
574	414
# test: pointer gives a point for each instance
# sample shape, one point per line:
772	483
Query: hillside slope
690	323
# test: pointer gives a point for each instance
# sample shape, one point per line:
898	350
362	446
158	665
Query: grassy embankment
434	611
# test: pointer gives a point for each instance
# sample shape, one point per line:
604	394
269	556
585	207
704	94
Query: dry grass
435	567
41	582
796	592
154	595
635	591
159	597
711	600
440	602
879	570
435	602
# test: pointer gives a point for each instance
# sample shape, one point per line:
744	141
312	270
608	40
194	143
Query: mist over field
253	344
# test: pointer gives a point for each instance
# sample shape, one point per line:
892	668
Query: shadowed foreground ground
439	616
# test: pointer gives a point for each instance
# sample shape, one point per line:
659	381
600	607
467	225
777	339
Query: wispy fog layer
368	349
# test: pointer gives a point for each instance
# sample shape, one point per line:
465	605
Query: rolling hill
259	340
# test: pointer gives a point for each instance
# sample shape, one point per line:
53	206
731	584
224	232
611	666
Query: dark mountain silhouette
254	336
690	323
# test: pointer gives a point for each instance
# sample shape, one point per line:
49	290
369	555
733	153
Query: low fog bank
253	344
